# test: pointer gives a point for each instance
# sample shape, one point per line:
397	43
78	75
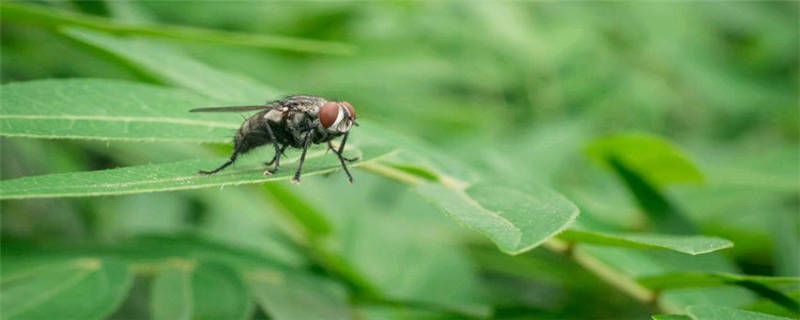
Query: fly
295	121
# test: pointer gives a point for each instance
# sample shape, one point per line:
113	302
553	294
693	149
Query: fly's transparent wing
232	108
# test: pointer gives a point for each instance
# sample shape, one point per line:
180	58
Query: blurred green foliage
691	109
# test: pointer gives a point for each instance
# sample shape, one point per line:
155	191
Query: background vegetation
519	160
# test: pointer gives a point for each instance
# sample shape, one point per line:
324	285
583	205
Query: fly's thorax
274	115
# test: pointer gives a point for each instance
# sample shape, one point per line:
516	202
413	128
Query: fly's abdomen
253	133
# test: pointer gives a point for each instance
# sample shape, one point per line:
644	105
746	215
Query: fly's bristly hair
292	121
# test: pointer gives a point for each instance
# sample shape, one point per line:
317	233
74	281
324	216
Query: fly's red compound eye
350	109
328	114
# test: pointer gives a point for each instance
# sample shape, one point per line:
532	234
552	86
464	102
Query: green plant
382	248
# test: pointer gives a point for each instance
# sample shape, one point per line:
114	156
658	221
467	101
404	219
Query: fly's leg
341	149
276	158
223	166
342	159
278	152
296	178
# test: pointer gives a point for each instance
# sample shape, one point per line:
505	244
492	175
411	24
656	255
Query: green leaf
693	245
671	317
151	58
173	176
308	219
85	288
287	296
707	312
516	221
709	279
48	18
761	285
656	159
109	110
664	215
206	291
771	307
645	162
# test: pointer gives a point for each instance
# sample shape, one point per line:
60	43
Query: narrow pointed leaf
172	176
671	317
708	312
708	279
693	245
761	285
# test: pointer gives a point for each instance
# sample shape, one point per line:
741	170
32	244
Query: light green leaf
85	288
205	291
693	245
286	296
44	17
709	279
173	176
171	67
109	110
516	221
761	285
658	160
671	317
707	312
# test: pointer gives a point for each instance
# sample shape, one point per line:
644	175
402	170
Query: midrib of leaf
282	175
51	292
211	124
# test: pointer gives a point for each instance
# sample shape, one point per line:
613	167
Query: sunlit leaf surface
686	244
514	220
172	176
722	313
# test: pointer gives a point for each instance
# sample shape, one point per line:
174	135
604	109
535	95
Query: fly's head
337	117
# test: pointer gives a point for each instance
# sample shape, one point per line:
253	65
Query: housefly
295	121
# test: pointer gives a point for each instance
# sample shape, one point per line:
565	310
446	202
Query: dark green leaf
84	288
657	160
664	215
